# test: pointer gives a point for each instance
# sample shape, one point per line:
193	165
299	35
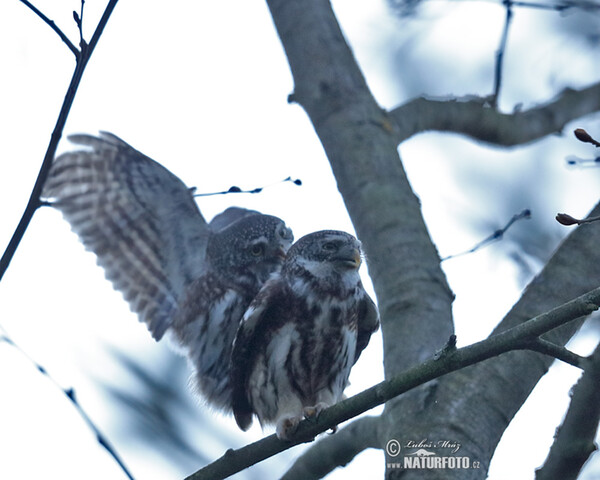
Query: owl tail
243	417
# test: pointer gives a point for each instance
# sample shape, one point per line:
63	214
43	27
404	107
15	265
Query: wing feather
244	346
139	219
368	323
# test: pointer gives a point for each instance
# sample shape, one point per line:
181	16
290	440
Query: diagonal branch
34	199
574	441
53	26
561	353
472	116
234	461
331	451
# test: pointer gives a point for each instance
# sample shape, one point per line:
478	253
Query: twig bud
565	219
585	137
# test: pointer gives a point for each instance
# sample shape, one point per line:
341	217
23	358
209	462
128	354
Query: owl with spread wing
302	334
180	274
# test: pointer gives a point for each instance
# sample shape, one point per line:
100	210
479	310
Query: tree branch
334	451
34	199
53	26
475	118
500	53
70	394
574	441
475	405
551	349
234	461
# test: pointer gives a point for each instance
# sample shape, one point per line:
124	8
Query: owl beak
280	253
350	258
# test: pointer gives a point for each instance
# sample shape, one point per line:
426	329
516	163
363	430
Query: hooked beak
349	258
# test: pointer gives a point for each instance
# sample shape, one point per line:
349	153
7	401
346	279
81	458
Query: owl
302	334
182	276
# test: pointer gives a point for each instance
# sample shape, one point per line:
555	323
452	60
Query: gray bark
475	405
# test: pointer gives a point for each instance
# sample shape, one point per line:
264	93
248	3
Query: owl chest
308	356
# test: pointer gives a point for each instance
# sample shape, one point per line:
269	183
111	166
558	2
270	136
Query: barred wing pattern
138	218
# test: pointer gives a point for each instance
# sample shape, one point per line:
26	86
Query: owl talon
286	426
314	411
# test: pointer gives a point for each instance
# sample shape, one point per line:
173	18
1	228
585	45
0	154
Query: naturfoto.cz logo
427	454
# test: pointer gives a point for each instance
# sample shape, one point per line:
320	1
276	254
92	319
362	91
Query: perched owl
178	273
302	334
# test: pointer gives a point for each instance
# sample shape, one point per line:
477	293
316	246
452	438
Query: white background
201	87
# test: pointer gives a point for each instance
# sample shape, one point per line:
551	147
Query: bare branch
53	26
495	236
70	394
234	461
500	53
235	189
336	450
574	441
34	199
561	353
475	118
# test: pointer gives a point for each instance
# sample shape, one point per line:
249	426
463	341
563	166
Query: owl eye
257	249
329	247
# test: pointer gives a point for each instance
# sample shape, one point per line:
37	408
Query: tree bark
473	406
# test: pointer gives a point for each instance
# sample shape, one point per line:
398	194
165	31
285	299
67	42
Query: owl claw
286	426
315	411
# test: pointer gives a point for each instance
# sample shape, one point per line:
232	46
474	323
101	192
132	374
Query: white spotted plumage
302	334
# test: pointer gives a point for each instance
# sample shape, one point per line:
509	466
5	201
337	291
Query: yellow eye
257	250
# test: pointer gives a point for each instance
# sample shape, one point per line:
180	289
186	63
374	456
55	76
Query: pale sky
201	87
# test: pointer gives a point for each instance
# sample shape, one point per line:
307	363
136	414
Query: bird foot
314	411
286	426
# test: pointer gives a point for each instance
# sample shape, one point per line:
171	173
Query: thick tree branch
335	450
574	441
34	199
234	461
475	118
475	405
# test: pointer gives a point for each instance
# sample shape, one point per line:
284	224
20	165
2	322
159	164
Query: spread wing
250	331
139	219
368	323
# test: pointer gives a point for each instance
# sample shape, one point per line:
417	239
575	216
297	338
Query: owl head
326	254
250	249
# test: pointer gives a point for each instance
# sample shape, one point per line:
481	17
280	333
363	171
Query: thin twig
497	235
500	53
70	394
235	189
53	26
542	6
34	199
234	461
79	22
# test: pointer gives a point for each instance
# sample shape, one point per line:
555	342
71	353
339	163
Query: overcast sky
201	87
